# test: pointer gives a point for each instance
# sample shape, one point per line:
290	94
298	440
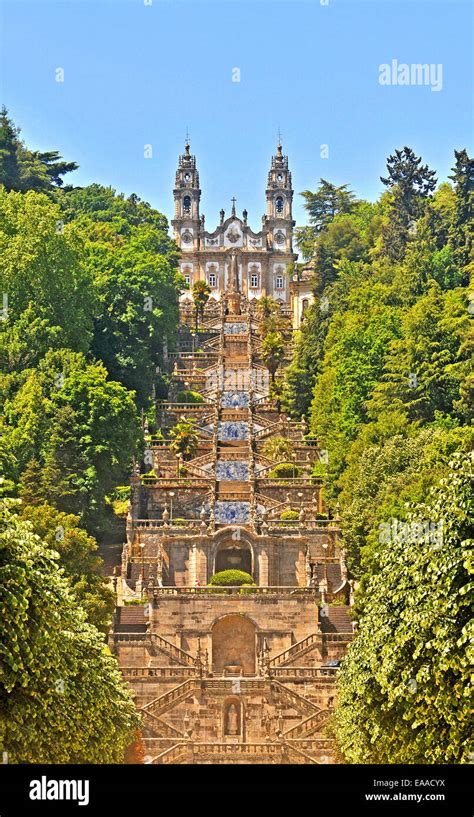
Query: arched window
186	205
279	205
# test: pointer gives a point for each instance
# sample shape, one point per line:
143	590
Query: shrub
189	396
230	578
289	514
285	470
120	499
277	448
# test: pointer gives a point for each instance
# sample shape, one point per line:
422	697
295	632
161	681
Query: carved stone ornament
233	235
279	237
186	237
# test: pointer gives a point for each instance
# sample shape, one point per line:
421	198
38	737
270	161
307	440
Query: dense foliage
382	371
62	699
88	305
404	689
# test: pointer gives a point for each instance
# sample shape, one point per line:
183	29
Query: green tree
185	438
133	266
62	699
201	293
77	555
42	275
462	232
22	169
82	429
62	477
410	183
327	202
424	366
273	352
278	449
405	686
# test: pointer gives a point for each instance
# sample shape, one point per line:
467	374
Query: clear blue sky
136	74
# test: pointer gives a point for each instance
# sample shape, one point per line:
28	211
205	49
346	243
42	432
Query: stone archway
233	645
233	556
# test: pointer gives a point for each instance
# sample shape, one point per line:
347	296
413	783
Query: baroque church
232	673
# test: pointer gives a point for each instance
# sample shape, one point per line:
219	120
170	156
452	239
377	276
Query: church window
254	280
279	205
279	282
212	279
187	279
186	205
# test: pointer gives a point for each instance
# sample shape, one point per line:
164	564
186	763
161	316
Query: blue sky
137	74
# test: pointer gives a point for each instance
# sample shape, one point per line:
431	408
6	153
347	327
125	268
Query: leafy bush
230	578
289	514
285	470
120	499
189	396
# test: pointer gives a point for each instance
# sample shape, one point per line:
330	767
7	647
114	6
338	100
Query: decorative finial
233	200
279	137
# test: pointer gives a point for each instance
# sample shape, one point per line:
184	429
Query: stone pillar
263	568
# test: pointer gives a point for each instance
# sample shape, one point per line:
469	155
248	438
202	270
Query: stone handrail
315	673
292	482
297	649
261	750
223	592
172	482
157	724
171	406
300	753
269	503
261	433
166	527
168	699
171	755
154	639
172	650
246	684
311	524
151	673
309	725
297	700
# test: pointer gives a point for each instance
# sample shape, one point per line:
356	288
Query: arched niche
233	555
233	718
233	645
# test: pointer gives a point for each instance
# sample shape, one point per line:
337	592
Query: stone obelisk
234	294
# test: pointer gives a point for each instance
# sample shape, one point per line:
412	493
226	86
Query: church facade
262	257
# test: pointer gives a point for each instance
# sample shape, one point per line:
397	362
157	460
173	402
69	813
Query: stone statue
232	725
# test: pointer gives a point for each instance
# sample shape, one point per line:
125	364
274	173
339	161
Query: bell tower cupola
279	194
187	195
279	188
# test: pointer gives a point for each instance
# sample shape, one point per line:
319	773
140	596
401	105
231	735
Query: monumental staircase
230	674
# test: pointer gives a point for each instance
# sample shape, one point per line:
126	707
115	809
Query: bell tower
279	191
279	195
187	195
